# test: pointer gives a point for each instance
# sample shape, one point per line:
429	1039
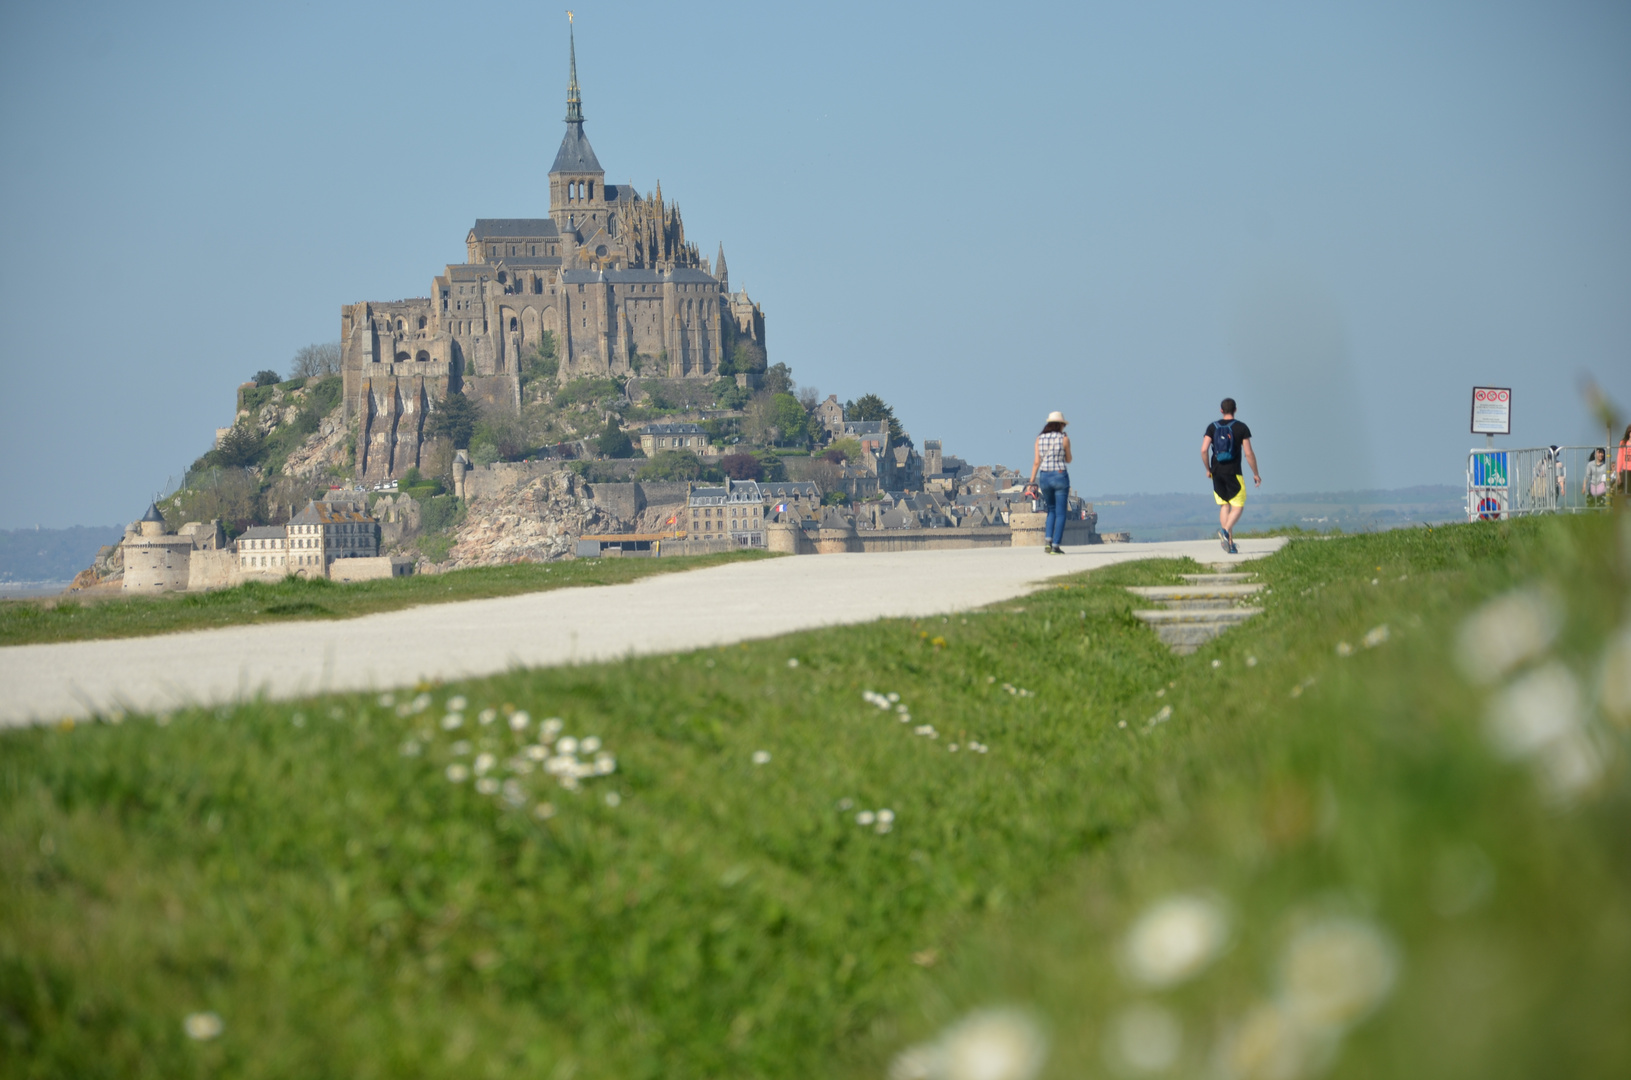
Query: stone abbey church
609	273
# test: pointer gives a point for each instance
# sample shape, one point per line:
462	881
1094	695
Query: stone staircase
1194	613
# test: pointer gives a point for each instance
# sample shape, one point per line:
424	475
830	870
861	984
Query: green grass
66	619
349	911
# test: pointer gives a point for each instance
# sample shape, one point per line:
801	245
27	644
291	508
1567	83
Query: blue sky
1345	215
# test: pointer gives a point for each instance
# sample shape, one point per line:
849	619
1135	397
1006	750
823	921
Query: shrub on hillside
267	377
587	391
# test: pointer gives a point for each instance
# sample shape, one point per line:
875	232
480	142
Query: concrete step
1217	579
1180	593
1183	640
1219	617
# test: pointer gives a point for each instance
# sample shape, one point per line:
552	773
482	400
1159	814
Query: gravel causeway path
666	613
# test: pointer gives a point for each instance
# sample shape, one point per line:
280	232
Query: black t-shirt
1241	434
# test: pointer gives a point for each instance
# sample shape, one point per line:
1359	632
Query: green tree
671	465
872	407
508	437
614	442
789	418
778	379
454	418
238	448
267	377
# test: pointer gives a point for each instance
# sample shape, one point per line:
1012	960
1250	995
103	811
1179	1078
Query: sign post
1488	475
1491	412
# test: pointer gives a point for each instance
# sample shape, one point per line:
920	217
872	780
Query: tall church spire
574	100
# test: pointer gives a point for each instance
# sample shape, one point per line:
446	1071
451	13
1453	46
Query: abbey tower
609	273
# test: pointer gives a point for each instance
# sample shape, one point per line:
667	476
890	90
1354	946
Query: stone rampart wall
212	570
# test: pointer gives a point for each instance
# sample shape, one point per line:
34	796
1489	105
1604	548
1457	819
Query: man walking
1226	442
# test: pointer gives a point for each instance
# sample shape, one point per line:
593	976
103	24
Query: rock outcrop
526	515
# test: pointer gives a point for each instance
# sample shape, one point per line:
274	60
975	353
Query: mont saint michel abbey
609	273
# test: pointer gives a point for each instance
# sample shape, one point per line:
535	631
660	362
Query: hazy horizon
1344	217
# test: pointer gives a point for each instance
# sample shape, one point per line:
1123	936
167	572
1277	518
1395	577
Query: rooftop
515	228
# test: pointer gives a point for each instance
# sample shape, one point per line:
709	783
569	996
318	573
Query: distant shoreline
23	590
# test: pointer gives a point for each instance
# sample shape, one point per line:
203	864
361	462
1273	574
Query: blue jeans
1055	494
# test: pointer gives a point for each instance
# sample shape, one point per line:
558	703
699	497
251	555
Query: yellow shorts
1239	498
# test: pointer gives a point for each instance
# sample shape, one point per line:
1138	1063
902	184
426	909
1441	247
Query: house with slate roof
609	277
736	510
655	438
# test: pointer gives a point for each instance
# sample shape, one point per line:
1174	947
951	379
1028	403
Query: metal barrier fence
1532	480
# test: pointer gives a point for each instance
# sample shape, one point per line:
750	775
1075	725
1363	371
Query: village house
264	549
324	532
655	438
736	510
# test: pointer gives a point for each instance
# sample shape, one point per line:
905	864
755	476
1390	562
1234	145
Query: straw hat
1057	417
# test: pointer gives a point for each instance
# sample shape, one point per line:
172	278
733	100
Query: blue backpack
1223	441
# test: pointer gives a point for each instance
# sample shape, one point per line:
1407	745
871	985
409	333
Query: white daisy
1375	636
457	773
590	745
761	757
461	748
487	785
992	1044
568	745
613	798
410	748
202	1026
452	721
387	700
544	811
487	716
485	763
456	703
793	662
519	720
865	817
886	815
1506	632
1174	940
1335	972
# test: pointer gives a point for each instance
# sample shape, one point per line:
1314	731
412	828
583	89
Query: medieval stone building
609	274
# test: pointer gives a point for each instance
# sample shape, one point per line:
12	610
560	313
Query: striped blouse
1051	445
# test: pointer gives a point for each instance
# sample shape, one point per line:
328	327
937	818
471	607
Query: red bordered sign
1492	410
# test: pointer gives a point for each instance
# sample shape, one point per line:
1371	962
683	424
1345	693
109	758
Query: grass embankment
311	874
24	622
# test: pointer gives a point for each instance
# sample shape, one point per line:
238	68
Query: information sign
1492	410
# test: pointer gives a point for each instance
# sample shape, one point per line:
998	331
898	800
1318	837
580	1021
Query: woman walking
1051	480
1622	462
1595	486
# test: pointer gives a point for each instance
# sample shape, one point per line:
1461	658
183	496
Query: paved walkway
667	613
